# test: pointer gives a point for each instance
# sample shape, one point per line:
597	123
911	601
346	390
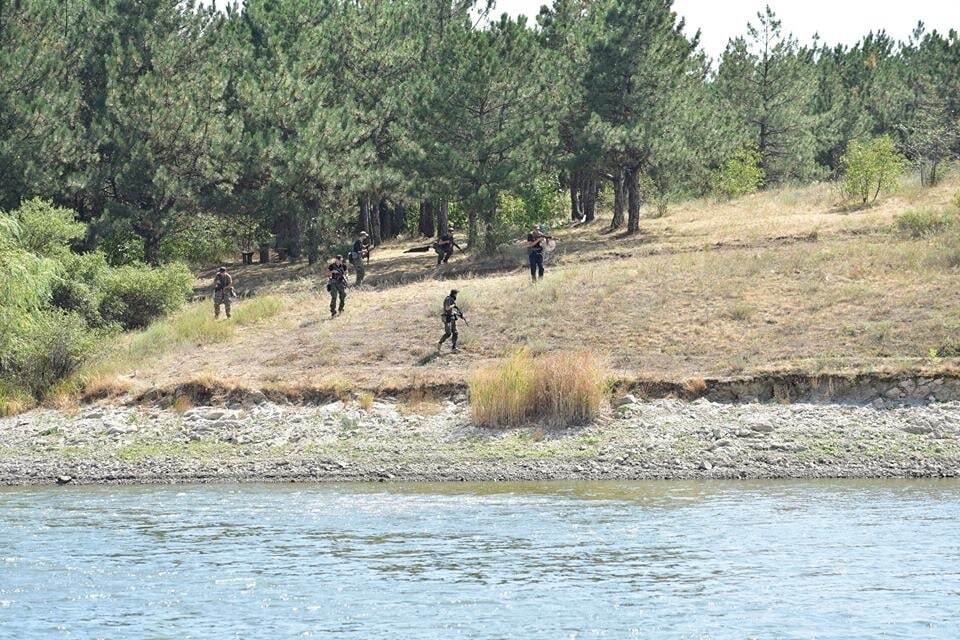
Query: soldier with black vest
337	285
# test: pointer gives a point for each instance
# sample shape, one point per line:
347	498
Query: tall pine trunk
619	198
373	221
151	249
589	197
576	213
427	227
386	220
489	214
472	226
399	213
633	200
443	217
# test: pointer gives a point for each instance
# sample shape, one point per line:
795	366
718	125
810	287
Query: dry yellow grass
560	389
784	280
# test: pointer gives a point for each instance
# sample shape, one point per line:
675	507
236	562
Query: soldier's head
453	293
222	270
363	234
338	258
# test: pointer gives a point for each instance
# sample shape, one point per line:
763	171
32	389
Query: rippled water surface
557	560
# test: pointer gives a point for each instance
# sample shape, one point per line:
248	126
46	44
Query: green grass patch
922	223
192	326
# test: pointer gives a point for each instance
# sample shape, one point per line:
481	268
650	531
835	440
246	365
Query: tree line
172	127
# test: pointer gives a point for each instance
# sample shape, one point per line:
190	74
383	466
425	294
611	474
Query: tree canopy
295	123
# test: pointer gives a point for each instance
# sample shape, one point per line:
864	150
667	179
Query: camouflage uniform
222	290
361	249
450	314
337	286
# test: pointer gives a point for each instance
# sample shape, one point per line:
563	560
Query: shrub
740	174
46	230
919	223
50	347
13	399
135	295
869	168
564	388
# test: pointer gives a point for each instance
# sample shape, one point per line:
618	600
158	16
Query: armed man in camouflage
361	251
337	285
451	313
222	291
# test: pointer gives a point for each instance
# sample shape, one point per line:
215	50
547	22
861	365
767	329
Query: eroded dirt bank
262	440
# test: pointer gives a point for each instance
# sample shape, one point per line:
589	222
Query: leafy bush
740	174
134	295
50	347
46	230
919	223
869	168
206	240
560	389
79	288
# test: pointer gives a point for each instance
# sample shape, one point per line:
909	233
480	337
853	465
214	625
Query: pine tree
484	123
639	66
765	84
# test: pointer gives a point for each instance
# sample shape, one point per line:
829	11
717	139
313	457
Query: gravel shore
388	441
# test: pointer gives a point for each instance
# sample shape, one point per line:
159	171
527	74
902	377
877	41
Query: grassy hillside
782	280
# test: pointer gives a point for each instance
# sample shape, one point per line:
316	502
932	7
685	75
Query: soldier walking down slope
337	285
222	291
361	251
536	240
451	313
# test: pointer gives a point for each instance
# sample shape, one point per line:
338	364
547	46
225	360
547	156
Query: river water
876	559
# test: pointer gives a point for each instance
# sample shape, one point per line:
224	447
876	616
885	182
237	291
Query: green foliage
207	240
46	230
919	223
134	295
765	93
541	201
869	168
50	346
56	304
740	175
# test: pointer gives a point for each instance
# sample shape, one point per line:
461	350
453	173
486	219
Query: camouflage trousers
450	330
221	298
338	289
361	270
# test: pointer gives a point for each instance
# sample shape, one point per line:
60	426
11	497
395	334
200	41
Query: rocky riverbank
263	441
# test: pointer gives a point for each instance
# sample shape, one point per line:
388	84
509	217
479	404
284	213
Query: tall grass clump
558	389
920	223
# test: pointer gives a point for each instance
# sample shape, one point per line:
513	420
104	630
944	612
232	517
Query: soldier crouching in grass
337	285
222	291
